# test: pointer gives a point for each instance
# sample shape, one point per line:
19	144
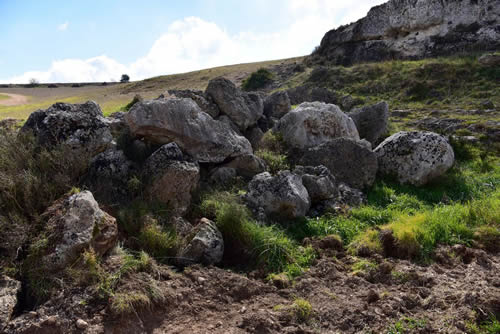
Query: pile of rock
188	138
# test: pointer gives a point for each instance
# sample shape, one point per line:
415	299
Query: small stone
51	321
372	297
81	324
243	309
201	279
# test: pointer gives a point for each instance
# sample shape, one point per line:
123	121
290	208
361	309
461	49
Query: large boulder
204	101
244	109
206	247
79	126
116	123
9	289
73	224
281	196
181	121
415	157
319	182
410	29
171	180
371	121
277	105
350	161
311	124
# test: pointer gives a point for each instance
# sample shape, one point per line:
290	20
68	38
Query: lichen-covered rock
415	157
350	161
244	109
319	182
247	165
181	121
79	126
9	289
283	195
277	105
206	247
371	121
108	174
412	29
171	180
73	224
204	101
311	124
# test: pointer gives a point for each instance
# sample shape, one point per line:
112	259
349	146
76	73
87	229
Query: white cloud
63	26
193	43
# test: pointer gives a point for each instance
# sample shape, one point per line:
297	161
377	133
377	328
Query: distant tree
34	82
125	78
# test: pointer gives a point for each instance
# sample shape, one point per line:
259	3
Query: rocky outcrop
171	180
182	121
79	126
282	196
203	100
415	157
410	29
9	289
371	121
350	161
206	247
73	224
311	124
244	109
116	123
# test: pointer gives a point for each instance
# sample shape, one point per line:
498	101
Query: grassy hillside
114	97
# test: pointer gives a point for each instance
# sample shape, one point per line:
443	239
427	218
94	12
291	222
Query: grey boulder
181	121
171	180
371	121
313	123
203	101
74	224
82	127
281	196
350	161
277	105
247	165
206	247
415	157
244	109
319	182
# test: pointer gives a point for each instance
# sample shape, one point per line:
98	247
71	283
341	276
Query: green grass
4	97
450	82
266	247
406	325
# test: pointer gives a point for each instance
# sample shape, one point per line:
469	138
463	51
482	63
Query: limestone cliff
412	29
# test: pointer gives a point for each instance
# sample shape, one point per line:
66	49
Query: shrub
274	161
257	80
157	241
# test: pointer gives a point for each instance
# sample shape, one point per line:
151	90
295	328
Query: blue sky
92	40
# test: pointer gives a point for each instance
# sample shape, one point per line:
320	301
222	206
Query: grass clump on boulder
257	80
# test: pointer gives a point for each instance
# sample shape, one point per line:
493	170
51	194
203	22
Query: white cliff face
415	29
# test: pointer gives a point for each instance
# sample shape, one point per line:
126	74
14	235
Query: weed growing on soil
406	325
274	161
302	310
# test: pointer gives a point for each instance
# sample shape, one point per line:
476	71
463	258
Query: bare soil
460	288
14	100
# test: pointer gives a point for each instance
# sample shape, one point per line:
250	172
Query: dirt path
15	99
